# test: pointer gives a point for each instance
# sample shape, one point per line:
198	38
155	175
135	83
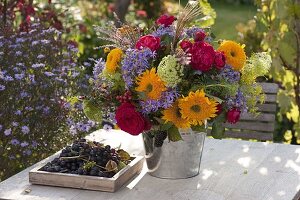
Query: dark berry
93	173
159	138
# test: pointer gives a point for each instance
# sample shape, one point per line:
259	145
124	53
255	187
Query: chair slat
267	108
269	88
249	135
256	126
271	98
264	117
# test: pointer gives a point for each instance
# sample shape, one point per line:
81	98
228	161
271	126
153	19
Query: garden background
41	110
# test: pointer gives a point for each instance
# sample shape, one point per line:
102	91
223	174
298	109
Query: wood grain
230	170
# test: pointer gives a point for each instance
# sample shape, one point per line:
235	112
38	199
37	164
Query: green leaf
124	156
166	126
218	130
92	111
73	100
121	165
199	128
284	101
173	134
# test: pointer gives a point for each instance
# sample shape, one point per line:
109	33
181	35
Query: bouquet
172	76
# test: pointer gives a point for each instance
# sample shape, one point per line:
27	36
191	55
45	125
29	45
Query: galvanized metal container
175	160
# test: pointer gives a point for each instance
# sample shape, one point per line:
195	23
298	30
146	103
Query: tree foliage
280	22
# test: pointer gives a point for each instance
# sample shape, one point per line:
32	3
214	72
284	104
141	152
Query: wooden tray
87	182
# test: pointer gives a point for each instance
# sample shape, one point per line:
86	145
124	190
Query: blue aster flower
134	63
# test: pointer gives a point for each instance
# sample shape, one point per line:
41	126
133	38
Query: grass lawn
228	16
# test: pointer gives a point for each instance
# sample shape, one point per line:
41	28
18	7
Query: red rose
153	43
165	20
200	36
186	45
233	115
141	13
203	56
220	60
131	121
219	109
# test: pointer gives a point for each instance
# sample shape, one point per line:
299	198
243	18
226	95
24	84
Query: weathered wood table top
230	169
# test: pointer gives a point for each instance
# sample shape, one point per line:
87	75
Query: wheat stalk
188	14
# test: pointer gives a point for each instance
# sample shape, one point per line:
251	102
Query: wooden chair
260	127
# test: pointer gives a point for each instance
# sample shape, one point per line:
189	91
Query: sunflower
196	107
150	83
172	114
113	58
234	53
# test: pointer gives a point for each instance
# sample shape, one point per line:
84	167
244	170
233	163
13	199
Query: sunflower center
232	53
178	114
149	88
196	108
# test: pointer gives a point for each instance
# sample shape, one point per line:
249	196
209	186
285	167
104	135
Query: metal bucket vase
175	160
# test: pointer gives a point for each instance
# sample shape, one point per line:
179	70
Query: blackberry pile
87	158
159	138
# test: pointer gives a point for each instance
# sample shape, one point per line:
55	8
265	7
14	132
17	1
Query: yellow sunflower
197	108
113	59
150	83
172	114
234	53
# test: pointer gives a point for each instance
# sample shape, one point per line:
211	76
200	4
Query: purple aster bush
38	75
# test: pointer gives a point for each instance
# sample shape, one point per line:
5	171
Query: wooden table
230	169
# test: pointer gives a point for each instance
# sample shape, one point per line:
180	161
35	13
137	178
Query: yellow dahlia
113	59
197	108
172	114
150	83
234	53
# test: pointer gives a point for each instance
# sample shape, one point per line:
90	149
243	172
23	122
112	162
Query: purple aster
18	112
45	41
162	30
107	127
18	53
134	63
7	132
34	144
98	68
23	94
15	124
46	110
38	65
73	130
8	78
31	78
27	152
28	108
87	64
191	31
239	101
166	100
34	43
15	142
2	87
19	76
40	56
230	74
24	144
25	129
49	74
1	127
